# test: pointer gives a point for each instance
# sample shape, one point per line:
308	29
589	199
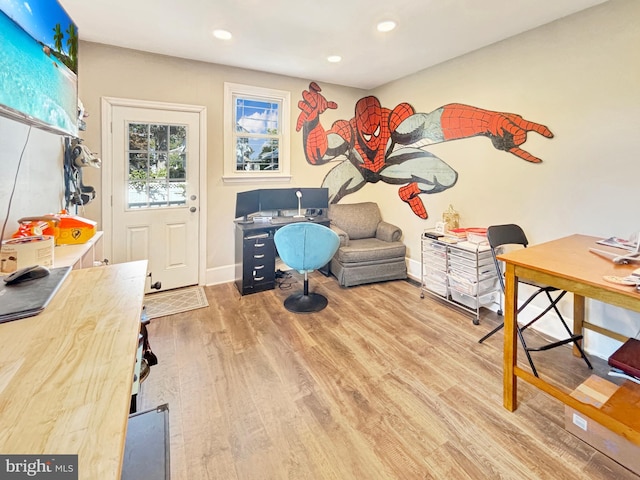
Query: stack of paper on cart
625	362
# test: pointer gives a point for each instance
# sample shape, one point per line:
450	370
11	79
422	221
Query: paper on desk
619	243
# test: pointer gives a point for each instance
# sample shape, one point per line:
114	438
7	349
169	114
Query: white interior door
155	199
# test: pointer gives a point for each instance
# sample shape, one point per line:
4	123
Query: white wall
580	77
39	187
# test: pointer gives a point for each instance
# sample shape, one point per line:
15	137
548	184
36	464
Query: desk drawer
258	250
257	246
258	265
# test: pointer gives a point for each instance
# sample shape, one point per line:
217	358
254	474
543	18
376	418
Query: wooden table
66	374
567	264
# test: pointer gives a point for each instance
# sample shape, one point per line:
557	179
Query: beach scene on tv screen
39	63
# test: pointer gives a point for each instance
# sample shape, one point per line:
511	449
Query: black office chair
500	235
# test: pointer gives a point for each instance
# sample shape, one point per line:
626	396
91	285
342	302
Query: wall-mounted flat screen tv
39	65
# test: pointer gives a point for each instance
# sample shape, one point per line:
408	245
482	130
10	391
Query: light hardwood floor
380	385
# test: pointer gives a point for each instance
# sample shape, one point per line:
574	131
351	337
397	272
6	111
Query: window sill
262	178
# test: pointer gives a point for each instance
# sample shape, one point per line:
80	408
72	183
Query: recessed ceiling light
334	58
386	26
222	34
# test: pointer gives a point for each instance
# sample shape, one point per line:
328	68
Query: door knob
192	209
193	197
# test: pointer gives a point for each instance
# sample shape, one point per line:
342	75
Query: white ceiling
294	37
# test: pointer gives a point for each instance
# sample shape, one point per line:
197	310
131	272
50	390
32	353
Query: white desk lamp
299	195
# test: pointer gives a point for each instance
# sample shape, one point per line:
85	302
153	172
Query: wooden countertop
66	374
64	255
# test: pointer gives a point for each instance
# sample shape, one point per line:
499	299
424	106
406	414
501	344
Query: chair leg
305	302
495	330
582	354
527	352
575	339
552	305
521	337
306	284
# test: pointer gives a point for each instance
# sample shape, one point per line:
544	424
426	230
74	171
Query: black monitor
267	199
278	199
286	198
314	197
247	203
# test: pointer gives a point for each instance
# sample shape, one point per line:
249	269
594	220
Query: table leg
578	319
510	385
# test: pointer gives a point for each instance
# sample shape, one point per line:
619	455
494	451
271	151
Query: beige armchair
370	248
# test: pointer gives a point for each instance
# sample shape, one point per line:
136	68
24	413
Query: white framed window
256	134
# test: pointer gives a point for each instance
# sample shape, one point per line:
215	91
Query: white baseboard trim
218	275
414	270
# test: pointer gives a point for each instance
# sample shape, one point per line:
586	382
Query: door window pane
177	192
177	166
157	156
138	136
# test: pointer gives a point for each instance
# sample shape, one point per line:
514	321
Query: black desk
255	256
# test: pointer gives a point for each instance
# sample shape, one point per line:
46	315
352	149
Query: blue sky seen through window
257	128
257	117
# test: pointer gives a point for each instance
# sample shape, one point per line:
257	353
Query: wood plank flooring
380	385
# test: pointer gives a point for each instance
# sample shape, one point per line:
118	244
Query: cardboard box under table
621	402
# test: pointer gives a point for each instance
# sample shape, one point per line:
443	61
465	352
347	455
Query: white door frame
107	103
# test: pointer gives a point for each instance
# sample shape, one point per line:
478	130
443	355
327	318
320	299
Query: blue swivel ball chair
305	247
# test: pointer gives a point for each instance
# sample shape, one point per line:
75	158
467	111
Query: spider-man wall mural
388	145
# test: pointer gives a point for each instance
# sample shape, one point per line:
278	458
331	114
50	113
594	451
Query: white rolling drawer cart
463	274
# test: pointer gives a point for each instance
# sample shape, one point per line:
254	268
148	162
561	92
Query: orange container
35	226
74	230
66	229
